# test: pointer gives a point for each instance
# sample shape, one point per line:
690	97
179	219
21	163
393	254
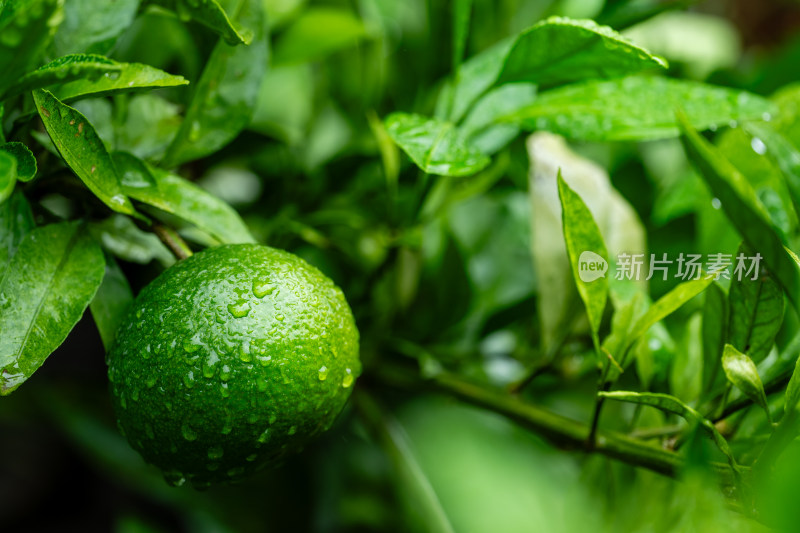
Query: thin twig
172	240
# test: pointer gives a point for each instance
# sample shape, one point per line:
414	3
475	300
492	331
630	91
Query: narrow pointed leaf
182	198
51	280
741	205
131	77
65	69
110	303
743	374
673	405
225	97
715	332
636	108
211	15
666	305
436	147
82	149
26	162
792	397
587	252
756	312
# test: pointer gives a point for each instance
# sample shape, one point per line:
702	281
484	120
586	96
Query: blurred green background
446	283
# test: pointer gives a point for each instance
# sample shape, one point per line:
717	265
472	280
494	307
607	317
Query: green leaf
482	127
556	50
742	372
462	11
52	278
8	175
211	15
792	396
131	77
82	149
225	96
119	235
111	302
715	331
16	220
666	305
636	108
26	27
562	50
783	153
686	370
316	33
63	70
586	250
26	162
745	212
149	126
92	26
673	405
436	147
180	197
756	312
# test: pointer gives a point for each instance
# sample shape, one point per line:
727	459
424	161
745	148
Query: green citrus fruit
230	360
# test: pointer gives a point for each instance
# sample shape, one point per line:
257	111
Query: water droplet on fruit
236	471
262	288
174	477
279	318
264	437
188	379
252	457
240	308
227	426
215	452
292	430
225	373
347	380
323	373
223	389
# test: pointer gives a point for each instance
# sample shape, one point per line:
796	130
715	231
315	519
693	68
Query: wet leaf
63	70
225	96
51	280
783	153
481	126
149	125
131	77
26	162
756	312
587	252
436	147
111	302
82	149
636	108
744	210
180	197
556	50
211	15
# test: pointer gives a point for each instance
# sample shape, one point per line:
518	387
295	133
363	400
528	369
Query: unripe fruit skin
229	361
